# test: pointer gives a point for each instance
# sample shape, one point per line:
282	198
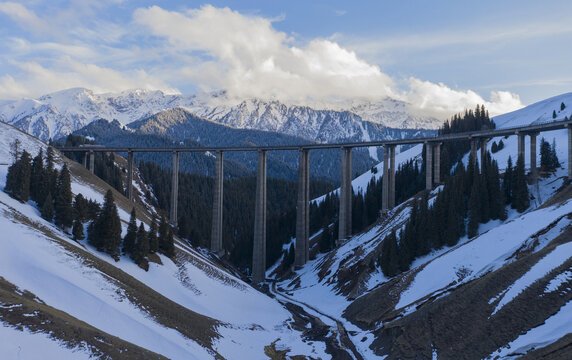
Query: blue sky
440	56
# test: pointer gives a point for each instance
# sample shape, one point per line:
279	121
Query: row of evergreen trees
468	198
36	180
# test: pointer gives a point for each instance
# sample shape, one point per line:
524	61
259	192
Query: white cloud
441	101
253	59
70	73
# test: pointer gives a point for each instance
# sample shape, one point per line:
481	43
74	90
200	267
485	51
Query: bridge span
432	158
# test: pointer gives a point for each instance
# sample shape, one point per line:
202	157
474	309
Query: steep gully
338	344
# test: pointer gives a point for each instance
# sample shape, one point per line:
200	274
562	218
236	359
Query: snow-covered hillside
537	243
57	114
184	309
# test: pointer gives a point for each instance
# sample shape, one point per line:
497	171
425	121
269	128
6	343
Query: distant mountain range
58	114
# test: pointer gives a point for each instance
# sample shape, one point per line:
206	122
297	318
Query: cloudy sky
440	56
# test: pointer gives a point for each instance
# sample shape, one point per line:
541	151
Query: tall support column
346	192
85	159
130	175
216	233
428	166
484	143
570	152
533	168
92	162
474	151
303	210
385	189
520	145
437	176
392	177
174	189
259	246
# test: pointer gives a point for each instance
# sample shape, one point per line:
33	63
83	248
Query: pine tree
131	235
153	240
554	114
562	106
545	155
18	178
507	182
170	244
51	173
77	230
325	239
63	202
163	232
37	191
15	149
520	200
474	209
48	208
105	231
80	208
553	158
289	257
389	255
141	246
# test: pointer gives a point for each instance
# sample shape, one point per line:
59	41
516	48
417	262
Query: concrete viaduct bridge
432	158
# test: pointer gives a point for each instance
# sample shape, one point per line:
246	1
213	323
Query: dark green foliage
494	147
18	178
80	208
37	182
548	159
141	246
443	223
562	106
453	151
554	114
389	255
51	174
474	209
169	249
195	211
48	208
152	236
105	232
508	181
104	164
63	201
131	235
327	242
77	230
289	257
520	200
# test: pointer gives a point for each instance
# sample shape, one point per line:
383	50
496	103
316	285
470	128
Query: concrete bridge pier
385	188
533	168
428	166
437	176
484	142
216	233
130	175
259	246
85	160
520	136
174	189
346	192
92	162
392	176
474	151
303	210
